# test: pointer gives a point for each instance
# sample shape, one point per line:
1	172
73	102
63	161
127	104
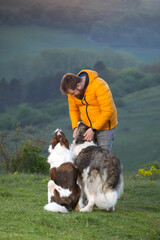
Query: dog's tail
54	207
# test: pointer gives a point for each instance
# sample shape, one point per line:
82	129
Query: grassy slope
137	140
22	216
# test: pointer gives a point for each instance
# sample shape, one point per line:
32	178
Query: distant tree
15	89
43	88
128	81
108	74
26	115
150	80
99	66
3	94
151	68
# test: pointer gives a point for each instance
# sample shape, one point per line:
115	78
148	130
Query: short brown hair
69	81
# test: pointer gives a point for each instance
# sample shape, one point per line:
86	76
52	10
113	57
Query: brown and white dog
100	173
63	191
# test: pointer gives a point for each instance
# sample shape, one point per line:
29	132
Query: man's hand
89	135
75	132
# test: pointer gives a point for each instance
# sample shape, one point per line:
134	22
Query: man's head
72	84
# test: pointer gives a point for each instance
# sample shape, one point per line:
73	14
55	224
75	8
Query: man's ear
79	87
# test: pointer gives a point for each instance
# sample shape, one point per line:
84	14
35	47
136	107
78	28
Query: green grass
22	216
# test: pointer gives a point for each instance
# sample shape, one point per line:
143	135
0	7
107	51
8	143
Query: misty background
120	39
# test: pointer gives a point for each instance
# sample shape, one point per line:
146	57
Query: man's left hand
89	135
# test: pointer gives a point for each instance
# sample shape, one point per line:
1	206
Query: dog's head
82	128
59	137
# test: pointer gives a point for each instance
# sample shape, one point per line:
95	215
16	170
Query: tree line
124	23
52	61
38	90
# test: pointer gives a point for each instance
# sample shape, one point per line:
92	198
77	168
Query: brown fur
59	139
65	175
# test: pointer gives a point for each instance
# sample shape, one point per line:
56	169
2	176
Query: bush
21	150
30	160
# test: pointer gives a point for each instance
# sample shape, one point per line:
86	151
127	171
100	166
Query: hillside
137	140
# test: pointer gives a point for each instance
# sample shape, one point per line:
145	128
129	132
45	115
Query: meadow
23	196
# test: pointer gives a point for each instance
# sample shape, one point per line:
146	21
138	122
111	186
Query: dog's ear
64	141
54	142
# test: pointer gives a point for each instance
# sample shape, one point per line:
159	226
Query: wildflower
15	173
141	171
152	173
152	182
27	181
153	168
147	173
31	175
45	180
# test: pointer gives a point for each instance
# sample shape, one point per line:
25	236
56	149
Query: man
90	100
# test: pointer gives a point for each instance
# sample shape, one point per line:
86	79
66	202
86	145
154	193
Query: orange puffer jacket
97	108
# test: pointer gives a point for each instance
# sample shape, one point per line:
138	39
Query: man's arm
106	104
73	112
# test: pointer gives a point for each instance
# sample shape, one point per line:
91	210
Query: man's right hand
75	132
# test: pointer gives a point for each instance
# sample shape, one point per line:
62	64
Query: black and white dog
100	173
63	191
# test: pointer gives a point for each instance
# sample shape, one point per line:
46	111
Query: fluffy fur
63	191
100	173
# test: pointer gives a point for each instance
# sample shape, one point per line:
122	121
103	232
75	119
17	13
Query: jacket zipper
109	122
86	109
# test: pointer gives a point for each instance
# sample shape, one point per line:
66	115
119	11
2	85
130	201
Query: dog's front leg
80	203
51	187
89	206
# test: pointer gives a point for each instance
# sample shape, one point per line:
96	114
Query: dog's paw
86	209
111	209
81	205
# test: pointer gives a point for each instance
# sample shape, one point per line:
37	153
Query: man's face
78	92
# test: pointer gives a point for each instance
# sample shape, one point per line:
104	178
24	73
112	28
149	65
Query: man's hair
69	81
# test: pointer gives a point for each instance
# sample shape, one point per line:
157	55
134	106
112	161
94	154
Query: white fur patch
59	155
76	149
62	191
54	207
58	131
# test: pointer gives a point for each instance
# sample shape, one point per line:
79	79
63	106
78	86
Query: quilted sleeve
73	111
